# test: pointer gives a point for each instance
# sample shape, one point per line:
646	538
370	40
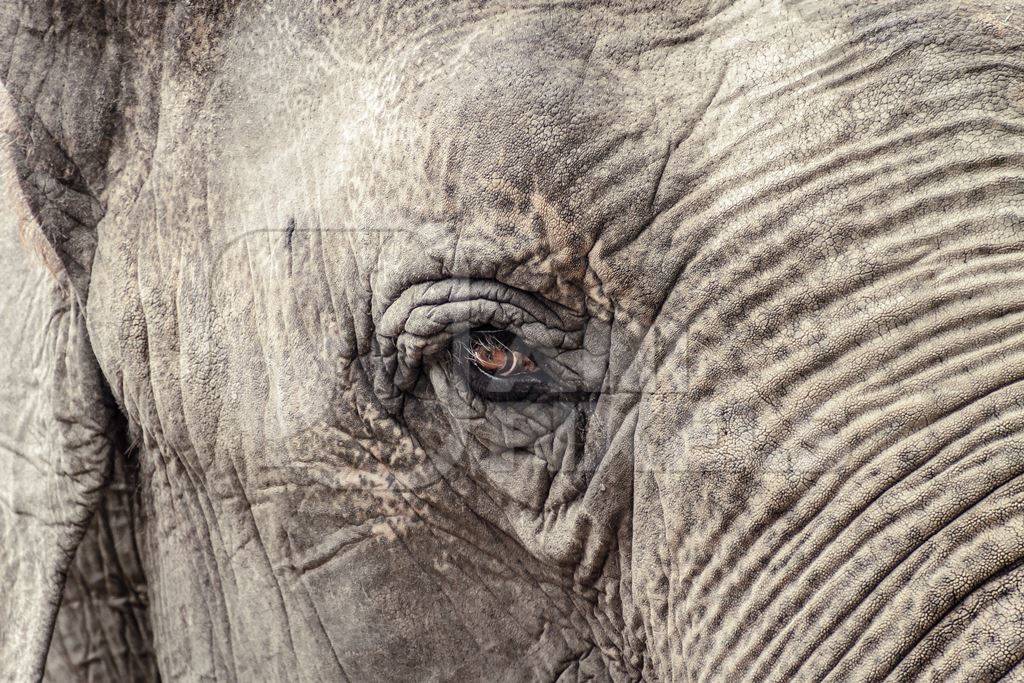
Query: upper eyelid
440	309
460	317
394	319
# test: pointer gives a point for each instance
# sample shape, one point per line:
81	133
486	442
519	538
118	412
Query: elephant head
518	340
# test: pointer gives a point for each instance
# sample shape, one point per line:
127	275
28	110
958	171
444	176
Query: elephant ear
60	68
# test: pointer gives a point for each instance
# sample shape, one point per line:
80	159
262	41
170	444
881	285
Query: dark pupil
491	356
500	367
499	353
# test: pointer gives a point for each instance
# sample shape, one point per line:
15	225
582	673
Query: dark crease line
867	594
775	644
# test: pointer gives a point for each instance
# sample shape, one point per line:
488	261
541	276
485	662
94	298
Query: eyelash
499	367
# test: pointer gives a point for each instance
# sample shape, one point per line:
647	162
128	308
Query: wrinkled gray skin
775	250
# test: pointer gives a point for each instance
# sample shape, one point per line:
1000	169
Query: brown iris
496	358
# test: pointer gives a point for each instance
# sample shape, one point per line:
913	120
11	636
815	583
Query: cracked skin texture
771	250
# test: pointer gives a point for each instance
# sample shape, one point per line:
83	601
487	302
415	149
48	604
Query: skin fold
768	255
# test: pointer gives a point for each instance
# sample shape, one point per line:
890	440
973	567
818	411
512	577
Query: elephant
512	340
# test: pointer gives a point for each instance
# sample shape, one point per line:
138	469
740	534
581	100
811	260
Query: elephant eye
499	366
498	358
